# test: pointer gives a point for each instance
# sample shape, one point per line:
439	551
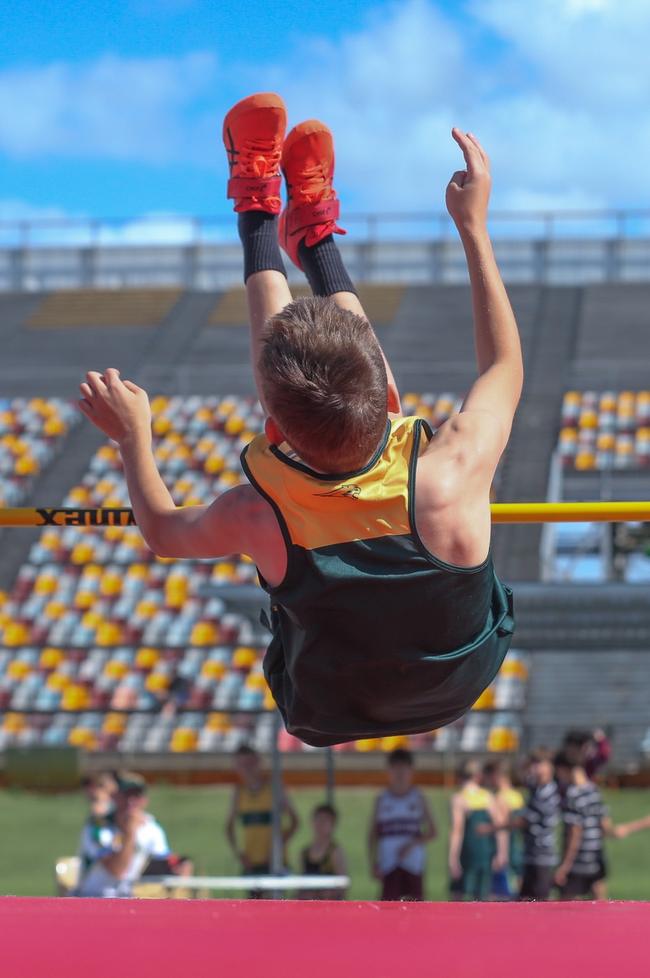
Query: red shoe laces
260	157
310	183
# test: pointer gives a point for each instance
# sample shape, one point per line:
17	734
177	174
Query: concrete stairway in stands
587	690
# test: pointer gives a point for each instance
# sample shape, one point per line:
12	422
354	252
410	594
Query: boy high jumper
371	533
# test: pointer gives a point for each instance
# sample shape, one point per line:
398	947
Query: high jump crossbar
535	512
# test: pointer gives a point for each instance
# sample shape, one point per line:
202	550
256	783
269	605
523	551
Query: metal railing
202	252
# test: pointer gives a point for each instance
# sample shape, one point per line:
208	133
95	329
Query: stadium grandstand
96	634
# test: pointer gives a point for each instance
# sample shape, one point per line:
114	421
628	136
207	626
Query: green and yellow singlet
372	634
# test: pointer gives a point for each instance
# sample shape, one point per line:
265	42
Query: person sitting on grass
371	533
116	858
323	856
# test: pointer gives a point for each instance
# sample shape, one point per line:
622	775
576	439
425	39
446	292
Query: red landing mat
69	938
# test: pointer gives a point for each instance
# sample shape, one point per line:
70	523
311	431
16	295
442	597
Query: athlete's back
372	633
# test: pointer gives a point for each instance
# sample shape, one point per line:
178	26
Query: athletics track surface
67	938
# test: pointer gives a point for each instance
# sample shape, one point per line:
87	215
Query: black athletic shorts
581	884
536	882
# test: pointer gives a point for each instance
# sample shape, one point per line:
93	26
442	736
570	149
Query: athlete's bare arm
267	293
456	831
239	521
456	471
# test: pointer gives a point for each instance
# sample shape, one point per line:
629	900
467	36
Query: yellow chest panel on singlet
323	511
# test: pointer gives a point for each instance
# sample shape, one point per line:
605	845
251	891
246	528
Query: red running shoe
253	133
312	207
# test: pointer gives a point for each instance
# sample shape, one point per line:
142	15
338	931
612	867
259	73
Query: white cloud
559	106
53	225
560	102
115	108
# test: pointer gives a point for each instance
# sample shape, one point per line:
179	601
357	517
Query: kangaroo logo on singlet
352	491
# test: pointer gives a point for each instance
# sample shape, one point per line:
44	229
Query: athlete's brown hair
324	383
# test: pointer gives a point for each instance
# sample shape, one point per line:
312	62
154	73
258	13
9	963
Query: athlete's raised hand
468	191
117	407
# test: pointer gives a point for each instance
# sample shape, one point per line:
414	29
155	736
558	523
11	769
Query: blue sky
114	108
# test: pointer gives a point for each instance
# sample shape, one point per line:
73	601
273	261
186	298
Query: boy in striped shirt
583	869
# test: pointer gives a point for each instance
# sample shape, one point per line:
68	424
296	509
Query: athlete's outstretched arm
267	293
494	396
121	410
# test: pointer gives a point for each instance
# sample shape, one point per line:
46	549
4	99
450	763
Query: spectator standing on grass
510	803
400	828
114	858
249	828
583	869
538	821
474	856
323	856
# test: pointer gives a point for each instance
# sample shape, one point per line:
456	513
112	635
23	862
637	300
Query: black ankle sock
324	267
258	232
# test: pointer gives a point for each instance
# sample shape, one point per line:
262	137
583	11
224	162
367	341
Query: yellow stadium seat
389	744
57	681
218	721
234	425
204	633
256	681
82	552
161	425
158	404
146	658
50	658
116	669
269	702
213	669
585	460
365	746
84	599
18	669
114	724
26	465
91	619
244	657
82	737
16	633
75	697
183	740
485	700
146	608
55	609
14	723
109	633
514	668
230	479
502	739
45	584
54	427
79	495
110	585
140	571
157	682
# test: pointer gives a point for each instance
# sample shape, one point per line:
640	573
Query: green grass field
35	829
